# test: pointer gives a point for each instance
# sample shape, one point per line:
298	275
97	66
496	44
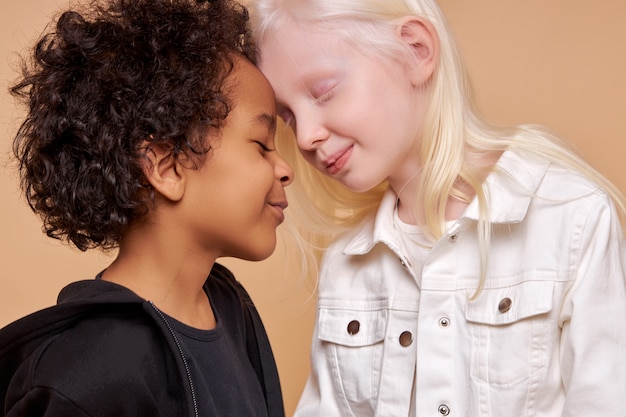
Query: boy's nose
284	172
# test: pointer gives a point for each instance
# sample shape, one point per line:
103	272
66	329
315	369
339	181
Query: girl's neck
407	204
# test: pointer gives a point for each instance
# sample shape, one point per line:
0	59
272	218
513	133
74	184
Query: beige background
561	63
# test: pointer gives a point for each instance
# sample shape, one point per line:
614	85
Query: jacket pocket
353	344
509	332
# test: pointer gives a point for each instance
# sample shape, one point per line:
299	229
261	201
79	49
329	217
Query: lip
337	161
279	207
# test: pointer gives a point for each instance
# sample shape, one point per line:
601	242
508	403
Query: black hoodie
114	354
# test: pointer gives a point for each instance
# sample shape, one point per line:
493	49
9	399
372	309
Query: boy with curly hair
148	130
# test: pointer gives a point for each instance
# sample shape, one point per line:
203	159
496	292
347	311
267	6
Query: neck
407	205
405	197
165	274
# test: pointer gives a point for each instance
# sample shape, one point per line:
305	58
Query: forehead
247	80
248	88
297	42
296	54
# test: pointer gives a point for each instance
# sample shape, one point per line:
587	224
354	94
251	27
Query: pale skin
421	35
202	214
342	104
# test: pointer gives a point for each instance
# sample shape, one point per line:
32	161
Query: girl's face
356	118
236	198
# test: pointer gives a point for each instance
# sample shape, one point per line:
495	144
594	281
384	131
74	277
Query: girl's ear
163	171
421	36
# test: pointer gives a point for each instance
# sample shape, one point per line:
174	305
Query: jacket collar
510	189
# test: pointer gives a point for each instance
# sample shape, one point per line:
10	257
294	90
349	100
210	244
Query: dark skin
202	214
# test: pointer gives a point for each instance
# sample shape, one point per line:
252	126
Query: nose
283	171
310	134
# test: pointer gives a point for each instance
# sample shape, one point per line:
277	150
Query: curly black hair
106	79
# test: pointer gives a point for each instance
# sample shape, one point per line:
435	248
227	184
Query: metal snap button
353	327
443	409
405	264
406	338
505	305
444	322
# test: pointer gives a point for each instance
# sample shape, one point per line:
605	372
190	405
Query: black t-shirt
224	381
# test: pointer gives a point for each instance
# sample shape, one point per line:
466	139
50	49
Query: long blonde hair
323	208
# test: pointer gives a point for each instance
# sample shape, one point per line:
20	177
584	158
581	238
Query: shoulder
572	193
107	347
569	183
106	361
536	174
565	203
523	184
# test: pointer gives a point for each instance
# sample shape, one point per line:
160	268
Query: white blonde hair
323	208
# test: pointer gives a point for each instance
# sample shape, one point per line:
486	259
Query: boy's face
236	198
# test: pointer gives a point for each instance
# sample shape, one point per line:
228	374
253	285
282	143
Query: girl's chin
359	187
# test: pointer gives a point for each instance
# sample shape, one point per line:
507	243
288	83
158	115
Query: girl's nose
310	136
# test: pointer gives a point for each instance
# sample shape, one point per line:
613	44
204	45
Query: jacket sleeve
319	398
44	402
593	341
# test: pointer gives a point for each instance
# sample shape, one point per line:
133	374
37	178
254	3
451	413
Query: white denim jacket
545	338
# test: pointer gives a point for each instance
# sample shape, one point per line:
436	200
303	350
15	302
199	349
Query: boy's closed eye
263	146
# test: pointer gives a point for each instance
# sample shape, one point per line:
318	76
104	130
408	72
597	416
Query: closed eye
263	147
323	89
324	97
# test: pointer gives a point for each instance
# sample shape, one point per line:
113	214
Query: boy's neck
164	274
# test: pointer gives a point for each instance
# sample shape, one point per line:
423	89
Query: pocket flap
351	327
507	305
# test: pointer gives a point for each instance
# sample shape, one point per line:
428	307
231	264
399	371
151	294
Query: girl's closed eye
323	92
324	97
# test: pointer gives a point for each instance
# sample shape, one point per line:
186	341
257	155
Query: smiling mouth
280	207
338	161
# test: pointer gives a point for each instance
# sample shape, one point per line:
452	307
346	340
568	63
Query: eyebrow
267	120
